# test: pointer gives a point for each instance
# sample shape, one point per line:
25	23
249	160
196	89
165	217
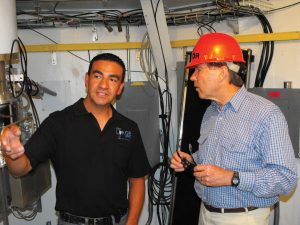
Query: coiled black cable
29	86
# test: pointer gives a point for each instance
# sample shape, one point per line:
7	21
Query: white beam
161	48
158	34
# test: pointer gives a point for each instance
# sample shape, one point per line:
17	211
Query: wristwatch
235	180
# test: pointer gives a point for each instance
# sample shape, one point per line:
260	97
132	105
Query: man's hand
210	175
176	162
11	145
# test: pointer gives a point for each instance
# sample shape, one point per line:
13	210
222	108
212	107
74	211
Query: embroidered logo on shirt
123	134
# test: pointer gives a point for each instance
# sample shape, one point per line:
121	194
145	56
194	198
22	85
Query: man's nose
193	77
104	83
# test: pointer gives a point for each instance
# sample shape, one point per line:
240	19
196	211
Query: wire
160	180
28	214
147	63
266	55
23	60
207	26
284	7
218	10
57	43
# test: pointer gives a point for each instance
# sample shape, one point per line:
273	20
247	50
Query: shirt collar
238	98
80	110
235	102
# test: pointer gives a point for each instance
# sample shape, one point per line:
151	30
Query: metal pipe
3	194
46	90
179	138
128	54
249	52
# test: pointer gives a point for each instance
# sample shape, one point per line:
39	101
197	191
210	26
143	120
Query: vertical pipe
128	54
248	68
179	137
8	23
3	194
4	120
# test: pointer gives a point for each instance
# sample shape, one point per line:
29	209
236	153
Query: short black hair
108	57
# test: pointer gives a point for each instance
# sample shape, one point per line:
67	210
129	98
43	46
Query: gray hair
235	78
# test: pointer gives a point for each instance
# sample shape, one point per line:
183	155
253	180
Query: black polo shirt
91	165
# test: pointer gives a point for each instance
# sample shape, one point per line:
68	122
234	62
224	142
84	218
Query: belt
233	210
70	218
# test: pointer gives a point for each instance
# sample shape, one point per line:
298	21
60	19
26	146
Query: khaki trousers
259	216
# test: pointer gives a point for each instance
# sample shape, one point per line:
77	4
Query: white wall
67	78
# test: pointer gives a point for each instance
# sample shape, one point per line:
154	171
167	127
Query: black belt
233	210
69	218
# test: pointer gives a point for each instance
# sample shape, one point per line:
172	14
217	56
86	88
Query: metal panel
4	195
140	103
29	189
288	102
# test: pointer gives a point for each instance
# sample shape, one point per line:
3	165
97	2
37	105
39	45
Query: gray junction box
139	102
288	101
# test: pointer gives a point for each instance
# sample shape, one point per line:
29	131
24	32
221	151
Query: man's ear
121	88
86	81
224	74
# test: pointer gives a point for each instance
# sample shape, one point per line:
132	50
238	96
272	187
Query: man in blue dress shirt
245	158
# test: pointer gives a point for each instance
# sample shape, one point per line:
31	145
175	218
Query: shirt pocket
234	144
234	152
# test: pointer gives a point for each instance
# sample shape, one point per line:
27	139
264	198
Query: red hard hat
216	47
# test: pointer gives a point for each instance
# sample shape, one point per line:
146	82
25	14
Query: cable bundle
266	54
28	85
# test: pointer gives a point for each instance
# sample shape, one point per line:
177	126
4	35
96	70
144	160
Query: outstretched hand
11	145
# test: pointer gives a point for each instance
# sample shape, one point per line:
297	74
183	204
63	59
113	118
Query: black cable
23	60
89	55
207	26
284	7
57	43
29	86
161	48
266	55
222	10
160	179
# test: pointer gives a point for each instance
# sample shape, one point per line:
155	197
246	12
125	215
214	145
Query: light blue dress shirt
249	135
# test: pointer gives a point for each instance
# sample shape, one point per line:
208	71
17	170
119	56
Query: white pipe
8	25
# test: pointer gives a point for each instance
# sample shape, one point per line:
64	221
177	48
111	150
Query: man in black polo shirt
94	151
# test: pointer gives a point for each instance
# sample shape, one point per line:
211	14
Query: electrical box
139	102
28	189
288	101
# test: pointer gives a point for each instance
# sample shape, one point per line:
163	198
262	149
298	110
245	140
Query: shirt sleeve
279	172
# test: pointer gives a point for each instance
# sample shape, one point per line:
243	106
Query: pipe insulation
8	25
